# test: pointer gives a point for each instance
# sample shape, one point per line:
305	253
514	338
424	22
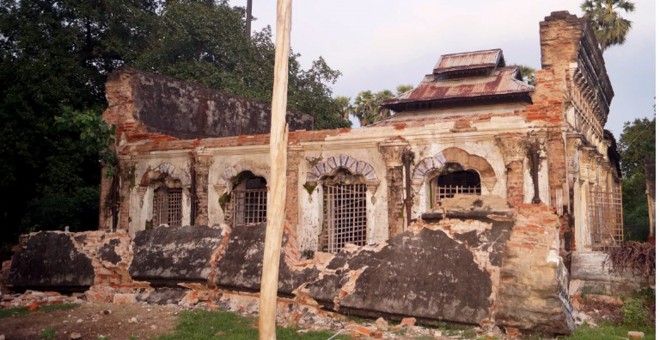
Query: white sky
379	44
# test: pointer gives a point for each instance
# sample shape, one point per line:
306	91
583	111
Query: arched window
250	199
454	180
167	202
344	211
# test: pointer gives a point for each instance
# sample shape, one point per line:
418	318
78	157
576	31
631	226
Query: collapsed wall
143	102
500	267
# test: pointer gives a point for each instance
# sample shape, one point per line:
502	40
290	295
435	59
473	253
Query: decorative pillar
392	152
202	161
291	249
125	193
512	152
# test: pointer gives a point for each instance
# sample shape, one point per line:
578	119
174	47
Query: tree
637	145
367	108
528	74
54	56
206	43
367	105
607	23
402	89
344	105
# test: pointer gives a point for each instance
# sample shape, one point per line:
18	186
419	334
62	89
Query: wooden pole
277	181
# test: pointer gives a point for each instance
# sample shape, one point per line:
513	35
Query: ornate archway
431	165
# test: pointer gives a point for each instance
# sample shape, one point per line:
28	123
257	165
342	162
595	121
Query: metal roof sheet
501	81
469	61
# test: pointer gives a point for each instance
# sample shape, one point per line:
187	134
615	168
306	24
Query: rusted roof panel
500	82
469	61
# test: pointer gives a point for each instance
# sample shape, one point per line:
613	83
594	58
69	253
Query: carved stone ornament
141	192
511	147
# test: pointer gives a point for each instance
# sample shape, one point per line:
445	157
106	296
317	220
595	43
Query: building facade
472	126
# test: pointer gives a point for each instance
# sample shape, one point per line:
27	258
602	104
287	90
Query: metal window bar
345	220
174	207
159	207
449	191
250	206
606	218
167	207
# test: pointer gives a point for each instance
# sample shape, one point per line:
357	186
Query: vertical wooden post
277	181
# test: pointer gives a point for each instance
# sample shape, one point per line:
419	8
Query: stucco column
105	201
294	156
202	163
391	152
125	183
513	153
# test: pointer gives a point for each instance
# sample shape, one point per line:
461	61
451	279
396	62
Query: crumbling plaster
177	165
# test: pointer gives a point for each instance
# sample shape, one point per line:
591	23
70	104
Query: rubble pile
33	299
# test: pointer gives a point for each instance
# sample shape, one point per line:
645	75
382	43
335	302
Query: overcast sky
379	44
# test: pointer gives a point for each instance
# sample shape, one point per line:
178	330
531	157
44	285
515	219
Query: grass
201	324
22	311
454	329
49	333
609	331
13	312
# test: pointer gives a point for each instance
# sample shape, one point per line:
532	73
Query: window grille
250	206
605	218
345	216
167	206
250	201
449	191
451	184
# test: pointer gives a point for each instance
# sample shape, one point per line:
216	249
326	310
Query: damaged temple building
463	206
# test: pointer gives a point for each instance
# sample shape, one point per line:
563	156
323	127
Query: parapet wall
500	268
186	110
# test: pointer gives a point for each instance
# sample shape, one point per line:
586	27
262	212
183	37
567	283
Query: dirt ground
91	321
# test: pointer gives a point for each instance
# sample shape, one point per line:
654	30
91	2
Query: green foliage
63	306
635	208
636	145
200	324
367	108
49	333
634	313
639	311
401	89
638	315
609	331
206	43
96	137
55	56
528	74
457	329
367	105
13	312
22	311
607	23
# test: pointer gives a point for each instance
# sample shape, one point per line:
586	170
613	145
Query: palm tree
344	106
367	108
608	25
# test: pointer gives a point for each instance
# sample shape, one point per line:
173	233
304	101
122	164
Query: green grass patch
456	329
63	306
609	331
49	333
201	324
22	311
13	312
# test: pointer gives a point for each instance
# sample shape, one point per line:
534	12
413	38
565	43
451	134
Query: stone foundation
499	268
